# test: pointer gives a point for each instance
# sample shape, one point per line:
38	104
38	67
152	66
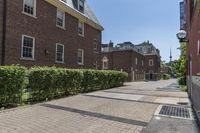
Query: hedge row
43	83
12	83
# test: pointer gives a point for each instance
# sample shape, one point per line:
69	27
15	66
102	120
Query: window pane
81	28
80	56
60	18
29	6
27	47
59	53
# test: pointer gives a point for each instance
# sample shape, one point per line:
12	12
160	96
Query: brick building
141	62
62	33
192	27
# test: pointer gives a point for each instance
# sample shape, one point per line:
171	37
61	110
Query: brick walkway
127	109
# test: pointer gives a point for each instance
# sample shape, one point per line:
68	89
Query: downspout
4	32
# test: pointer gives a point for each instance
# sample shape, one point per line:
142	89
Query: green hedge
166	76
51	82
98	79
12	83
17	84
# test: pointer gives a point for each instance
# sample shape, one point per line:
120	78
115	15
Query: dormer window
65	1
81	5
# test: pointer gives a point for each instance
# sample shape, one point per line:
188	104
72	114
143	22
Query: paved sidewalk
127	109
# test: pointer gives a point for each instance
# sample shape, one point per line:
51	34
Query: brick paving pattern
97	112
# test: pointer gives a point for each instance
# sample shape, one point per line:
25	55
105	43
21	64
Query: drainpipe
4	32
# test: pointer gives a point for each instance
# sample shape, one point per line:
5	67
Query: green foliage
12	83
18	85
166	76
48	83
99	79
179	66
51	82
183	88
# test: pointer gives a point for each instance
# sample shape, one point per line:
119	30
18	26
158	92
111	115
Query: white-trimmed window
29	7
80	56
105	63
60	19
151	62
95	45
81	28
28	47
81	4
136	61
198	47
59	53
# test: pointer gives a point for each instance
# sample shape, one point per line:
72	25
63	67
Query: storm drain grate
174	111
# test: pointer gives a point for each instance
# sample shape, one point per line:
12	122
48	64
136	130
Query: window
142	63
59	53
198	47
81	29
105	63
65	1
60	19
95	47
81	5
136	61
80	56
28	47
150	62
29	7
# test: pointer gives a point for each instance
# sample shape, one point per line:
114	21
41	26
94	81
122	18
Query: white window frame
198	47
83	6
136	61
95	45
151	63
83	28
58	10
63	55
34	9
82	57
33	49
105	60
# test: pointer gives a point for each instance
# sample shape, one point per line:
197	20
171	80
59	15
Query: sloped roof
87	10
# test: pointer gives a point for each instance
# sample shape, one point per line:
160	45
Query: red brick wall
125	60
44	29
1	21
156	63
193	30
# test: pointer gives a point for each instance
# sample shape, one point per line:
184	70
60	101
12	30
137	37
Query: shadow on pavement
97	115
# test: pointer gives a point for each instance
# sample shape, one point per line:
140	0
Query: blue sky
140	20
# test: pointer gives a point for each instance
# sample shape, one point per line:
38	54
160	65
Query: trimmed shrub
166	76
101	79
51	82
12	82
18	85
182	80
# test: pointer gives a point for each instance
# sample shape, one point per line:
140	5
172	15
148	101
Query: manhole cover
174	111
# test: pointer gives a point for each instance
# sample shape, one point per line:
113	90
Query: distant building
141	62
